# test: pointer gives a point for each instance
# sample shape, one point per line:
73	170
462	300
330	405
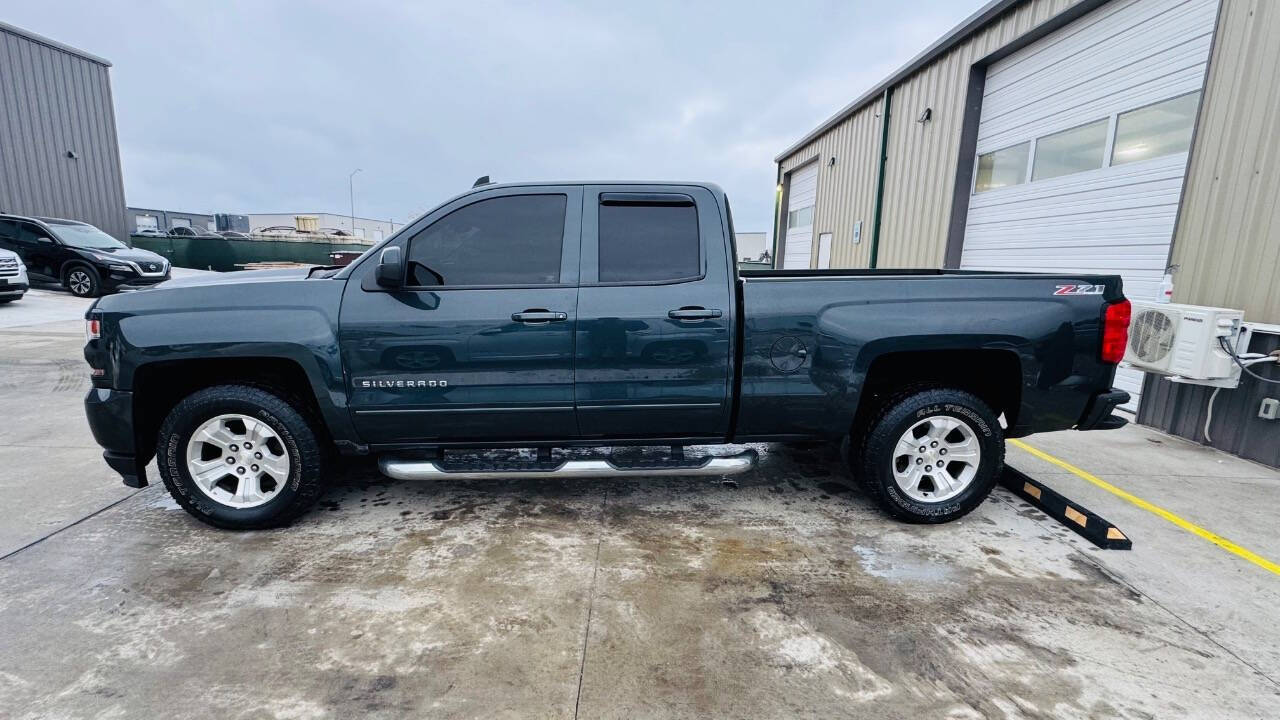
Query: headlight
120	268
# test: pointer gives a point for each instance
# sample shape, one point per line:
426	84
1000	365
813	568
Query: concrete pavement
785	594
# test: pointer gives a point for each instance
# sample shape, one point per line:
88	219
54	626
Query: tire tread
883	421
301	425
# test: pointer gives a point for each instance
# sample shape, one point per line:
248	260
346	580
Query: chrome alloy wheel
79	282
936	459
237	461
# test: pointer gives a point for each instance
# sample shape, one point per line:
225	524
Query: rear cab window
648	238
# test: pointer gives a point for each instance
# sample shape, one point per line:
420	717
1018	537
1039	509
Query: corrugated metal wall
53	101
846	190
1227	240
921	169
1236	428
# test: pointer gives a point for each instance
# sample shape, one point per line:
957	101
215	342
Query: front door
655	315
478	347
38	251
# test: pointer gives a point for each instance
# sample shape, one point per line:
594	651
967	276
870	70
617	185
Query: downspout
777	215
884	160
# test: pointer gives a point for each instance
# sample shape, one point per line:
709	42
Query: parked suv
13	277
79	256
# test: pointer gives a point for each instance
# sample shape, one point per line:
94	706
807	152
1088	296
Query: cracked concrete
785	594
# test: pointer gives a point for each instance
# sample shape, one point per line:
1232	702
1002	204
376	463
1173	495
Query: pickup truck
554	317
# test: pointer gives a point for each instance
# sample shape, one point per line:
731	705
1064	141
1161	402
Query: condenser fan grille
1151	335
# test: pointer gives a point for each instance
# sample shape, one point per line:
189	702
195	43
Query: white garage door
801	198
1082	147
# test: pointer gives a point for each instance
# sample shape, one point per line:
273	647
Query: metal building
58	151
1135	137
139	219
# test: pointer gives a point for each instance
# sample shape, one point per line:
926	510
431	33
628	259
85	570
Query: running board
403	469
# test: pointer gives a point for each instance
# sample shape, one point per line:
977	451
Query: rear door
479	344
655	314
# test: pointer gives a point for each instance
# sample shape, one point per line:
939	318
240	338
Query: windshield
85	236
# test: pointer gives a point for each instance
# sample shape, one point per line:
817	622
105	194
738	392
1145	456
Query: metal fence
224	254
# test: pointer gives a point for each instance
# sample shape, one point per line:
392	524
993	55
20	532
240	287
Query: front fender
290	319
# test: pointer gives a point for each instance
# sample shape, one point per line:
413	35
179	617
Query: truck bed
812	339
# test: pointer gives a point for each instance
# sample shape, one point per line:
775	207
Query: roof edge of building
34	37
943	44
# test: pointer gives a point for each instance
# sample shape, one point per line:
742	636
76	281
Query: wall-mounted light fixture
832	161
925	116
72	154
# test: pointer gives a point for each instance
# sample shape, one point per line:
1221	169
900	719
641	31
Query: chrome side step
403	469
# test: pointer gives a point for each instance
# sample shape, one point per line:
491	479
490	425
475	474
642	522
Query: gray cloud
267	106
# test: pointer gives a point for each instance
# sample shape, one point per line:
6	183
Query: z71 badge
394	383
1080	290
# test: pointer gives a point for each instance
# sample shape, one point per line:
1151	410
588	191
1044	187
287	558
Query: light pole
351	187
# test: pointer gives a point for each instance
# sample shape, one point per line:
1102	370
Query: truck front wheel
239	457
930	456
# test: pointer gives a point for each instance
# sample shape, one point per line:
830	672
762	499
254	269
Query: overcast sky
267	106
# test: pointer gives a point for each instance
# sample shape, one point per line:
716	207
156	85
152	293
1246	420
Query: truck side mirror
390	272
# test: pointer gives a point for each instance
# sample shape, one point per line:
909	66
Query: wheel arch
161	385
994	375
71	263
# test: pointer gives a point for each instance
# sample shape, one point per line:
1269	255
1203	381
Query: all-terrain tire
872	456
297	433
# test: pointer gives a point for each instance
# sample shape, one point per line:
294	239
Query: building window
649	243
1160	129
1002	168
1071	151
800	218
146	222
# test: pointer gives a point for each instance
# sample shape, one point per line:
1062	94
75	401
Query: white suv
13	277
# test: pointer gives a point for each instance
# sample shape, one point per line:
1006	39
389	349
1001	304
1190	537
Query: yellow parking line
1190	527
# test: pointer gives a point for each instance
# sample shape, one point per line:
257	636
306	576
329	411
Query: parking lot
783	594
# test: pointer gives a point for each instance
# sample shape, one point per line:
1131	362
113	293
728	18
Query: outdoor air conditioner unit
1186	341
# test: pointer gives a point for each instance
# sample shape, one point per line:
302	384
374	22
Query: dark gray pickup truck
571	315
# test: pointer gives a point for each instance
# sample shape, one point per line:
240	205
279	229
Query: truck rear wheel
930	456
240	457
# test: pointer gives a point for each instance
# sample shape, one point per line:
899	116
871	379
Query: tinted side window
512	240
28	233
8	229
648	242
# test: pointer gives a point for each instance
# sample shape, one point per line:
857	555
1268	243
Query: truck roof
538	183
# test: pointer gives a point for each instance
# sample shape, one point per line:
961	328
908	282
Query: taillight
93	328
1115	331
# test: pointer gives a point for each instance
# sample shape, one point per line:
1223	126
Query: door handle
694	313
539	315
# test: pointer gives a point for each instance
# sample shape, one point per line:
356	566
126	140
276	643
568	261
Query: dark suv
79	256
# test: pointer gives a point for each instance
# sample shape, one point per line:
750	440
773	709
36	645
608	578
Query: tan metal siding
847	190
920	174
1227	242
922	158
53	100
